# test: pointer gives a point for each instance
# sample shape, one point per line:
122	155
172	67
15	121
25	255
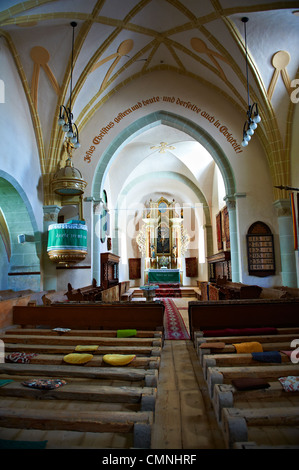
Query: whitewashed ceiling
119	40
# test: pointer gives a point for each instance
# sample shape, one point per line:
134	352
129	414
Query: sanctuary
163	241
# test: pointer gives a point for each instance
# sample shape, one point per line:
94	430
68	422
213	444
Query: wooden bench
242	314
231	360
83	421
250	415
90	293
221	375
127	296
114	316
237	421
98	398
227	396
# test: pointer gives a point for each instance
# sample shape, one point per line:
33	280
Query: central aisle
184	417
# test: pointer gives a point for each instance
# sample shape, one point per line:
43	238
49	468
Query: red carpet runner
169	290
174	325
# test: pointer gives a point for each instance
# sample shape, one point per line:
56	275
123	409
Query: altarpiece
163	241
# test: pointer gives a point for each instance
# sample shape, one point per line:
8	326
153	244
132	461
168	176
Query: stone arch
24	257
177	122
200	135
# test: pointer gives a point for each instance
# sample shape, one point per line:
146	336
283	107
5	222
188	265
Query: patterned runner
174	325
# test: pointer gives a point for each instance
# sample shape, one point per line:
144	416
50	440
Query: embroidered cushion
20	357
290	383
44	384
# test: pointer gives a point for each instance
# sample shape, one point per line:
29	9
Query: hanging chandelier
68	180
65	119
253	117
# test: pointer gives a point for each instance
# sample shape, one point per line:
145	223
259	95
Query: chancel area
149	195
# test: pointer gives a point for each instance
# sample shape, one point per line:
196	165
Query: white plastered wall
19	152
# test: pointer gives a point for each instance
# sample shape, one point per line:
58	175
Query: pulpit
67	243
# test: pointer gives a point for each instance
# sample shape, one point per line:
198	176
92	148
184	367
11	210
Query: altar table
164	275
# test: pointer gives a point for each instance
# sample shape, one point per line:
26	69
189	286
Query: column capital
230	202
282	207
51	213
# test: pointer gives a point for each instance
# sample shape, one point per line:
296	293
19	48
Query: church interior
149	224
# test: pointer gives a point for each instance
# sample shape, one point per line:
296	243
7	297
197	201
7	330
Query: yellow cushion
77	358
118	359
248	347
87	347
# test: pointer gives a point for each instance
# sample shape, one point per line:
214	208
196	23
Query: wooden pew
106	333
237	421
6	309
83	421
90	293
114	399
233	360
127	296
227	396
145	396
222	375
144	350
118	315
280	341
230	349
81	340
254	415
123	374
140	362
237	290
242	314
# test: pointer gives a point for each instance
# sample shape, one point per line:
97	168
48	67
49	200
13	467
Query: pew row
97	398
279	313
112	316
281	340
83	421
228	396
250	403
237	422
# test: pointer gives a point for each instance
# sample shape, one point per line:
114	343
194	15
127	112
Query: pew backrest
242	314
118	315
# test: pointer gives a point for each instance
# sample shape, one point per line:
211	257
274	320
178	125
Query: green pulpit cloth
67	237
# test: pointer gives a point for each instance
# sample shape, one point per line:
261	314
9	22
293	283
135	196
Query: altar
169	276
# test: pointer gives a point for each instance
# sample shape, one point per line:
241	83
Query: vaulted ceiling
117	41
